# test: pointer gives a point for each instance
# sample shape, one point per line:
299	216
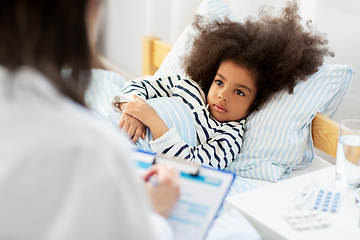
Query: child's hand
132	127
141	110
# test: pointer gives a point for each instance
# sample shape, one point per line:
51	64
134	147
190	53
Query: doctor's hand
164	191
133	127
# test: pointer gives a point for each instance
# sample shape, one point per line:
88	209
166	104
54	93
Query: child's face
231	93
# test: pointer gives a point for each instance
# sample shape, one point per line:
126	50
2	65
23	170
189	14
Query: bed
324	131
280	140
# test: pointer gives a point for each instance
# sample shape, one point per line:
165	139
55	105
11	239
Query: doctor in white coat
63	175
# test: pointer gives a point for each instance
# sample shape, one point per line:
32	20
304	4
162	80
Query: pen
154	180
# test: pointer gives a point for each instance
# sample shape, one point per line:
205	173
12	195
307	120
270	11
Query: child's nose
222	95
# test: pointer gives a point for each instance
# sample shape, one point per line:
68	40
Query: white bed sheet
317	164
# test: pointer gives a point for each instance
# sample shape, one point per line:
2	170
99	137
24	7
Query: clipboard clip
182	165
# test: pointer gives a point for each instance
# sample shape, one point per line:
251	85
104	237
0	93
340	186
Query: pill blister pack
327	200
305	220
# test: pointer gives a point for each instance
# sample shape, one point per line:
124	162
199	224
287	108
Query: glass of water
348	154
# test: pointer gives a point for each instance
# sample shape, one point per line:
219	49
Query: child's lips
220	108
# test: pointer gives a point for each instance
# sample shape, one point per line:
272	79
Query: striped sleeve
146	89
217	152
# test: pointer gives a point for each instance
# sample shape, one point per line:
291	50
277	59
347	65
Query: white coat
64	175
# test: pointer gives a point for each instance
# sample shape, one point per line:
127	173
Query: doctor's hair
47	35
277	50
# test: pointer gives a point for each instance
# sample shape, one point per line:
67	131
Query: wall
126	22
337	19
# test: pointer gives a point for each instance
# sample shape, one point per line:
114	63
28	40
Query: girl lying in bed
232	70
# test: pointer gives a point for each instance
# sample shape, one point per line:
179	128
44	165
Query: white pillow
278	137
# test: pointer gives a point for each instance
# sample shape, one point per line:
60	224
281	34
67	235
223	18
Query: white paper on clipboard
202	193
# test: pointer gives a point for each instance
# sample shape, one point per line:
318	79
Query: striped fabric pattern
106	84
277	138
239	185
176	115
217	143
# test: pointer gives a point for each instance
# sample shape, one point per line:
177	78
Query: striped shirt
218	142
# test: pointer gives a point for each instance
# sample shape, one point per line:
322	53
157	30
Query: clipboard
202	193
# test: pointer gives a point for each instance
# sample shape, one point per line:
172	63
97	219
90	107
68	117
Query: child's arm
219	150
142	111
146	89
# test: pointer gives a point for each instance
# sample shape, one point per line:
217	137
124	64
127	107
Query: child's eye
240	93
219	82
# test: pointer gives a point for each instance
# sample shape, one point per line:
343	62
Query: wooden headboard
154	52
324	130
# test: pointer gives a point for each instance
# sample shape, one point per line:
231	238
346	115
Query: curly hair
277	50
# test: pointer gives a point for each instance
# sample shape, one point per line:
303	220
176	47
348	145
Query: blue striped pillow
277	138
103	86
176	115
